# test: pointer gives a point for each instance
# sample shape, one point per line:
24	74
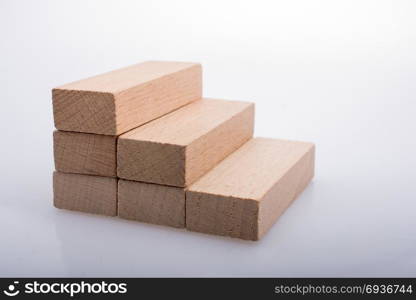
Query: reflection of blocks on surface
245	194
85	153
151	203
178	148
86	193
117	101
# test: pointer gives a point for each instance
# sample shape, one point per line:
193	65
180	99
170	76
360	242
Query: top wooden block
115	102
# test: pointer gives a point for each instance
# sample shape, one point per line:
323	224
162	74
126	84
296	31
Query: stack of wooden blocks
142	144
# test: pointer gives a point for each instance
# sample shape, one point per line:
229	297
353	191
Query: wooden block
178	148
86	193
85	153
151	203
115	102
244	195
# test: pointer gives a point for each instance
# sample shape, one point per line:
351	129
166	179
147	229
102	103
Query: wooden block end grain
151	203
85	193
180	147
115	102
85	153
244	195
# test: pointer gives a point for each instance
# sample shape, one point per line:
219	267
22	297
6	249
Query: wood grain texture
180	147
86	193
115	102
151	203
244	195
85	153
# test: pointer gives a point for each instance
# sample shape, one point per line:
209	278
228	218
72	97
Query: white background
338	73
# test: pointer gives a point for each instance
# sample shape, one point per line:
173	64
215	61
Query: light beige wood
115	102
244	195
86	193
151	203
178	148
85	153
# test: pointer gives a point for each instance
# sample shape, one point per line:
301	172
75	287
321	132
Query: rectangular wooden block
85	153
115	102
151	203
86	193
245	194
178	148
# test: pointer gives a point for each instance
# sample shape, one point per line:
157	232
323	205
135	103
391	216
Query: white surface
339	73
